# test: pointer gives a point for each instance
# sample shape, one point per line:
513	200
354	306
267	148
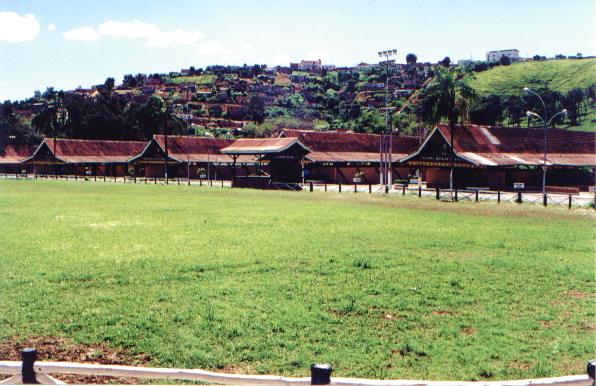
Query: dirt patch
444	313
525	366
546	323
61	350
469	330
577	294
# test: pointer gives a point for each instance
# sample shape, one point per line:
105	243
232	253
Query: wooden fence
32	372
569	201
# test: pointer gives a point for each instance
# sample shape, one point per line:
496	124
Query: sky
71	43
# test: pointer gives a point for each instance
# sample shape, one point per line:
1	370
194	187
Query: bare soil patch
59	349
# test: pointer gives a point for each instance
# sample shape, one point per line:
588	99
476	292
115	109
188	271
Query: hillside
559	75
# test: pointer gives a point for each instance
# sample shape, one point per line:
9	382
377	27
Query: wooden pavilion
280	162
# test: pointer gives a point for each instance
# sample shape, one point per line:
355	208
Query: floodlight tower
386	148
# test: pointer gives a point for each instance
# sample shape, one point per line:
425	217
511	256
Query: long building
187	156
481	157
84	157
346	157
498	157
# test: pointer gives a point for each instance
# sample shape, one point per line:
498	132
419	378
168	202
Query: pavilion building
499	157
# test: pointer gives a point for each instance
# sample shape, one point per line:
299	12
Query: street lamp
545	123
385	149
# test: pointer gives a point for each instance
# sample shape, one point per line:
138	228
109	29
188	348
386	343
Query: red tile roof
262	145
93	151
13	154
510	146
197	149
335	146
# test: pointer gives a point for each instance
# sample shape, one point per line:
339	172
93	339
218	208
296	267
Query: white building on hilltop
494	56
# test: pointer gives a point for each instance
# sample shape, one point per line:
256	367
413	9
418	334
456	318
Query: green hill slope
560	75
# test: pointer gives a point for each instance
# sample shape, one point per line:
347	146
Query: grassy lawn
559	75
206	79
270	282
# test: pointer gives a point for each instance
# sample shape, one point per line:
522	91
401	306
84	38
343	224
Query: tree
572	102
109	84
411	58
447	97
129	81
445	62
256	109
52	118
505	60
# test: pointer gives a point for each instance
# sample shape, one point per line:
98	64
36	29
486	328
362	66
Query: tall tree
447	97
411	58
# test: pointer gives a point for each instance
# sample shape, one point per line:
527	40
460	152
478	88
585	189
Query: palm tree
52	118
448	97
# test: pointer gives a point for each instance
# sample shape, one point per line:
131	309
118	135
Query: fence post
95	177
403	190
155	180
325	186
544	199
437	193
28	356
498	196
178	181
104	178
135	178
311	187
592	371
340	187
386	189
355	189
222	183
476	195
419	191
320	374
369	188
570	201
456	195
519	197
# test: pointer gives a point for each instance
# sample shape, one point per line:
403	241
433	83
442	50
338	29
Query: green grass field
559	75
270	282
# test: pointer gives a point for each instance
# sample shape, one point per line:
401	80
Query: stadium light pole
546	125
385	149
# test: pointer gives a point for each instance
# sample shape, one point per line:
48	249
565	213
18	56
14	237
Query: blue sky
70	43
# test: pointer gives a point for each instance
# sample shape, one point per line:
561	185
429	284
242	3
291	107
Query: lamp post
384	148
546	123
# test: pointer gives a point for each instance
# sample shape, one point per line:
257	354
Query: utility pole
386	148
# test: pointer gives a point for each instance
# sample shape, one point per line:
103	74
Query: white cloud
213	48
51	27
137	29
15	28
82	33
